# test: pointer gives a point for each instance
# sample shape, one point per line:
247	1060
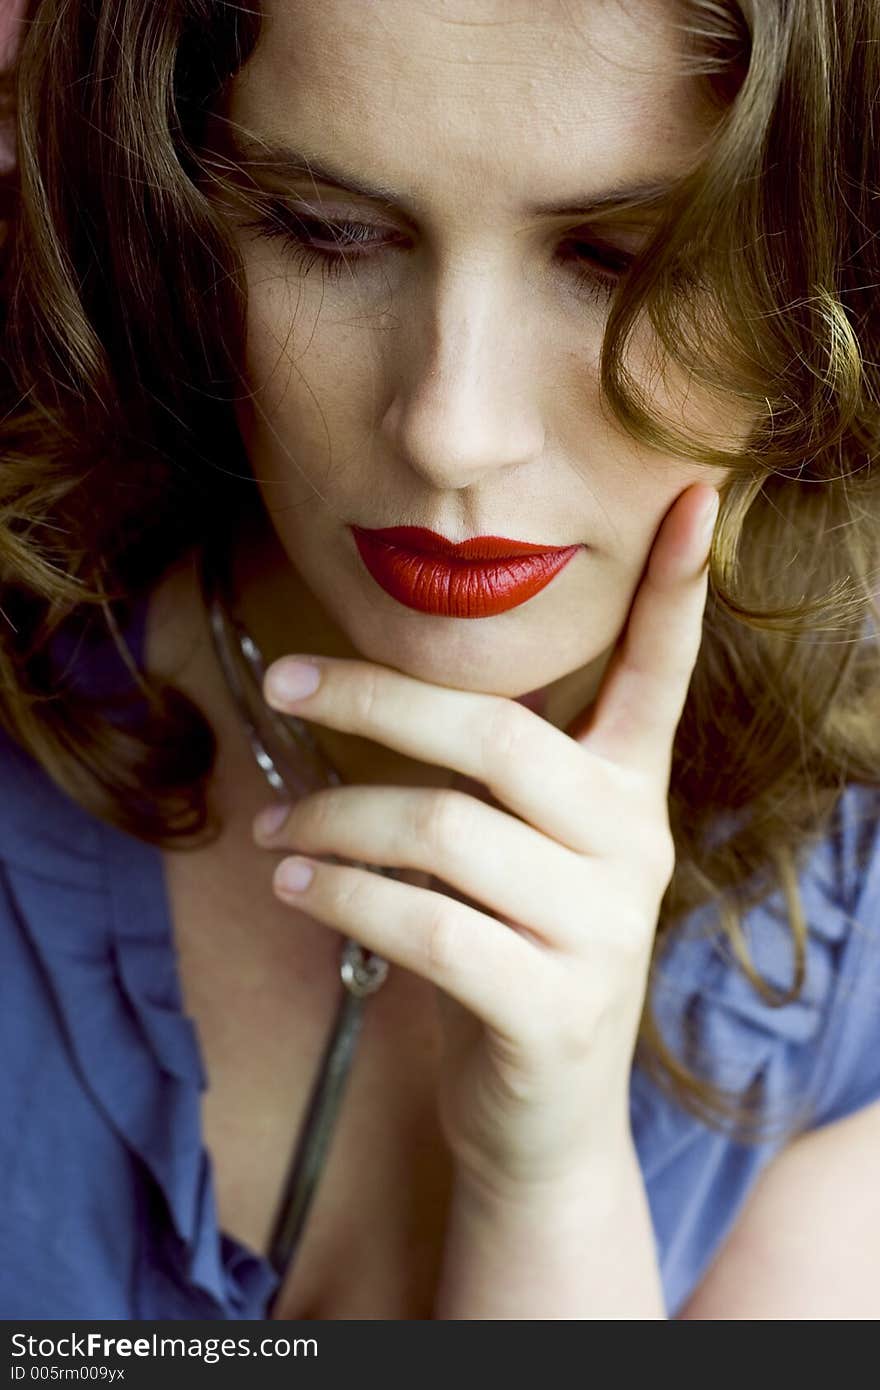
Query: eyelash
280	222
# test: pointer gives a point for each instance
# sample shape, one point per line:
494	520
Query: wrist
579	1246
589	1175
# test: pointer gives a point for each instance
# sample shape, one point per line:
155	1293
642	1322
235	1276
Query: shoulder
842	892
802	1065
807	1244
43	832
817	1057
42	828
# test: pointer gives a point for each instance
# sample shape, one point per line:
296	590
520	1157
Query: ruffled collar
116	984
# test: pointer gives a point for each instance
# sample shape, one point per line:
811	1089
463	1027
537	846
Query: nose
466	397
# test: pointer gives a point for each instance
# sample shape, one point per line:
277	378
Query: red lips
476	578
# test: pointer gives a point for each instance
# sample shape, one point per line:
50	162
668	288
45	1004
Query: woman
418	341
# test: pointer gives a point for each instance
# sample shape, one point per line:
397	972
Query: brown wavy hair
122	314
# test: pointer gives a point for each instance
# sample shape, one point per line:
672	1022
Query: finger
526	763
487	967
642	695
491	857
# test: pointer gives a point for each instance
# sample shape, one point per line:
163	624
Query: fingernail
291	680
293	875
270	820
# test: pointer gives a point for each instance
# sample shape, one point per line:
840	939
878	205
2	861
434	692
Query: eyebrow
288	165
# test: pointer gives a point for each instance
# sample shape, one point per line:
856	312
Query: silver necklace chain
362	972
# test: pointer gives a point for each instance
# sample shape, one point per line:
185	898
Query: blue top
108	1206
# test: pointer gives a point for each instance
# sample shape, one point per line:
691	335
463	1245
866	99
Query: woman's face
447	376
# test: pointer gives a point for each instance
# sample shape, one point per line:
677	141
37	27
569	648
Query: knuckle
366	697
631	785
318	810
507	731
660	855
575	1033
644	818
442	939
352	892
635	932
633	945
442	820
621	938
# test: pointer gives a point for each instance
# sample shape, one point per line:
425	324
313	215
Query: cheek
302	360
309	383
640	492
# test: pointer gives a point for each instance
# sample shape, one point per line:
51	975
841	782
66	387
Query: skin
550	1001
397	393
455	388
453	385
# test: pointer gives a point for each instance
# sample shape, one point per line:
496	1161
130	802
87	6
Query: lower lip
451	587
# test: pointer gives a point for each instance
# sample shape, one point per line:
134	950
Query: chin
460	655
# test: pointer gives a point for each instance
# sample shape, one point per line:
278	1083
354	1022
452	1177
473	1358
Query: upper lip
425	542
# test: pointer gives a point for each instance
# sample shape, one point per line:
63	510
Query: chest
261	982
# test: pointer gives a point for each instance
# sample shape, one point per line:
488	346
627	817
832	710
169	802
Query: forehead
499	96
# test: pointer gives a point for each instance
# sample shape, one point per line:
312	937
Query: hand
541	970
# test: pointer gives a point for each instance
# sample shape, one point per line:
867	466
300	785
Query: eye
310	239
597	267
